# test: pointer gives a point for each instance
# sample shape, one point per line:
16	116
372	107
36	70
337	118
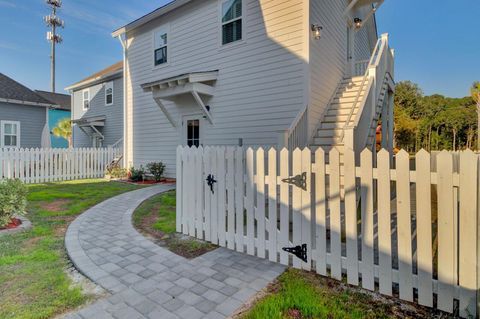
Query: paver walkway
148	281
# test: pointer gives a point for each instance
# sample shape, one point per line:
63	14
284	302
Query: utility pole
53	22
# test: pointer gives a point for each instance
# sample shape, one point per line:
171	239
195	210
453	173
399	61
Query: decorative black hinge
298	251
210	181
299	181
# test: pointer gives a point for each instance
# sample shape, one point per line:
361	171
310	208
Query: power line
53	22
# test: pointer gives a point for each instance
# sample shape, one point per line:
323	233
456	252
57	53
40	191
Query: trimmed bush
156	169
13	200
136	175
116	171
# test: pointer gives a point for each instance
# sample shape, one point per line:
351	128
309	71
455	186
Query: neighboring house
55	115
97	108
255	72
23	115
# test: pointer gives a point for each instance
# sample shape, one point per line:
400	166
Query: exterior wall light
317	31
357	22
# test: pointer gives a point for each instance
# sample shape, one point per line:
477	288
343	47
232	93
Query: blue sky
436	42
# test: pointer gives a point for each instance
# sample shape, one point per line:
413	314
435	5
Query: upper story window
160	46
232	16
10	131
109	93
86	99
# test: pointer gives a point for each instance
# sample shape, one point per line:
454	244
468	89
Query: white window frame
83	99
163	29
201	123
221	23
108	85
2	134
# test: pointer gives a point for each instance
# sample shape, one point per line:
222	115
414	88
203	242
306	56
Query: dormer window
160	46
232	21
109	93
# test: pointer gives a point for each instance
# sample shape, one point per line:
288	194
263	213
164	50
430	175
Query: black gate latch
210	181
299	181
298	251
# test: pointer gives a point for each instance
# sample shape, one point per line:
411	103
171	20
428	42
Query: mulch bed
14	223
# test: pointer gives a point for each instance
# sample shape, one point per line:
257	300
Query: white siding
260	87
328	55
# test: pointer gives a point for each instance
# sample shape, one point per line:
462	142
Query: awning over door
91	125
197	84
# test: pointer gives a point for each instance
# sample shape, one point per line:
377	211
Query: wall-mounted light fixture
357	22
317	31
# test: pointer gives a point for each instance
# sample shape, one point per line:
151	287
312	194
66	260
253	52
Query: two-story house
256	72
97	108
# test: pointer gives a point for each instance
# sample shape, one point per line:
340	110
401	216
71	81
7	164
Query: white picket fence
50	165
396	242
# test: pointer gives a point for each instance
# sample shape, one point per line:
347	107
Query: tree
475	92
64	130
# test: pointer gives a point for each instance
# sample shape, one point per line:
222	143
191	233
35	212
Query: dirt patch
179	244
57	205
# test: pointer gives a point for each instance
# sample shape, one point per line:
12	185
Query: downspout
72	116
123	41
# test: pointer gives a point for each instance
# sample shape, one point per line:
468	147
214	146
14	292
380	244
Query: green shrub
13	200
116	171
156	169
136	175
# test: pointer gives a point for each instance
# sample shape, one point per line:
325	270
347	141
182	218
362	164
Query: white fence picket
207	193
320	213
368	279
249	203
306	207
222	208
446	239
239	199
272	204
424	229
297	206
198	181
230	184
335	218
468	232
284	206
260	209
384	224
351	223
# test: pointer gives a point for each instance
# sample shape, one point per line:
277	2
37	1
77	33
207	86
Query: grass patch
33	283
299	294
156	219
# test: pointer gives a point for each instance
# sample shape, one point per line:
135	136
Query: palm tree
64	129
475	92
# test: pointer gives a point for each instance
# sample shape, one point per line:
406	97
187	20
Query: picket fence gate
39	165
258	202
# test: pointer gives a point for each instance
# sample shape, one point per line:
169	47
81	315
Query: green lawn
299	294
33	283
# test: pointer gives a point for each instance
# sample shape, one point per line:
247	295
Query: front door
192	127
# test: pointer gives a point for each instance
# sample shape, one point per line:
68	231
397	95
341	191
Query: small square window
10	134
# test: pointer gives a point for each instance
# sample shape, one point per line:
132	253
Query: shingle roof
111	70
62	100
12	90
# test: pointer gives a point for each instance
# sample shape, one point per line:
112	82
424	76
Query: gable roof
62	100
172	5
13	92
113	71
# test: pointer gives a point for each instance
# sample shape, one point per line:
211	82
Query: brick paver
148	281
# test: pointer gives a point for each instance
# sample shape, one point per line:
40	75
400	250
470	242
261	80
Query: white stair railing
297	134
380	66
